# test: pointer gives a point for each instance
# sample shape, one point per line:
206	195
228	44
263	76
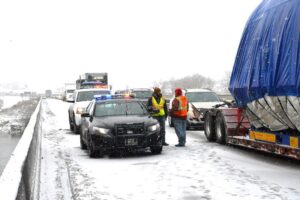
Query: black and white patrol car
114	123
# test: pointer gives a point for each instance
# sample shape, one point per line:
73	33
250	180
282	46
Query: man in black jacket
158	109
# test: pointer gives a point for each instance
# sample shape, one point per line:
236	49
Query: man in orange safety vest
179	110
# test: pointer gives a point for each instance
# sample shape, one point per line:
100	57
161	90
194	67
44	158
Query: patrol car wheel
92	152
157	149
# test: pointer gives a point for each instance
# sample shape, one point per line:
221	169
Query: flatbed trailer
231	126
264	83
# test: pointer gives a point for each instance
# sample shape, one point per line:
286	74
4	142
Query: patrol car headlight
154	128
102	131
80	110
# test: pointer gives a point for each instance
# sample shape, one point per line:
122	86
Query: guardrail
20	178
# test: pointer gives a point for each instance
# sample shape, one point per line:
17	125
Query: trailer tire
220	129
209	127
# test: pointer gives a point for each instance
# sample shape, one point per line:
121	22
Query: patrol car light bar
115	96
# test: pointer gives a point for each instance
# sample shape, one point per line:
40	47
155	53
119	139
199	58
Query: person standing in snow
179	110
158	109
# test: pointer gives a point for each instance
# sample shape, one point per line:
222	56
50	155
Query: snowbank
9	101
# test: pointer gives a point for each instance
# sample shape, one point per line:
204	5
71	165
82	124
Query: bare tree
188	82
221	86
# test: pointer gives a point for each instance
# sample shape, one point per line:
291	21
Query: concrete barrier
20	178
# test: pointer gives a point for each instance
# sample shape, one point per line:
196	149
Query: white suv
198	99
82	98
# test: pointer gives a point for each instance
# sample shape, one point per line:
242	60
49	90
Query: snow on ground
9	101
201	170
13	118
13	121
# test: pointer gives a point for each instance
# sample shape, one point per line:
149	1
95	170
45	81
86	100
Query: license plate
131	142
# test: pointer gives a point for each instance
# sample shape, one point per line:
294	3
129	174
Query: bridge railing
20	178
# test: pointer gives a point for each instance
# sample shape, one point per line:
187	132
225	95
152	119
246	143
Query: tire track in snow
223	168
77	184
54	176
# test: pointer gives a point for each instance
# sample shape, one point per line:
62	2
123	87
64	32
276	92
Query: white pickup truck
82	98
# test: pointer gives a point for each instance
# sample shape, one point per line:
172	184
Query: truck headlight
154	128
80	110
102	131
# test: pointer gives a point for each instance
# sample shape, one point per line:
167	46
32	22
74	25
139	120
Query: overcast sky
49	43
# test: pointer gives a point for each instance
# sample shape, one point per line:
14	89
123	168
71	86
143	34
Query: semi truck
68	92
265	84
48	93
92	80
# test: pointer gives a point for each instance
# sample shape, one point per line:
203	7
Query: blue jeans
180	127
162	123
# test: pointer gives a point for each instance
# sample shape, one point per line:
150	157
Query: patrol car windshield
202	97
142	94
89	95
119	108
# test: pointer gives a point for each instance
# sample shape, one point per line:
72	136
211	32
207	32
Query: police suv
115	122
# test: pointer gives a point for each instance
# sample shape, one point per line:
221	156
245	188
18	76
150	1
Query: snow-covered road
201	170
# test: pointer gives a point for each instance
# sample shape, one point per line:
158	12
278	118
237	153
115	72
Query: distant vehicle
141	93
93	80
82	98
48	93
118	124
198	99
121	92
69	90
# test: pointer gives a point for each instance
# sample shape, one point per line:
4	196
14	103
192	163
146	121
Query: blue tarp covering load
268	58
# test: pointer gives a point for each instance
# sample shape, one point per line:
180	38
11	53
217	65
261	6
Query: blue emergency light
100	97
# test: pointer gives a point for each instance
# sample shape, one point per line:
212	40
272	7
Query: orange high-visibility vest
182	108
